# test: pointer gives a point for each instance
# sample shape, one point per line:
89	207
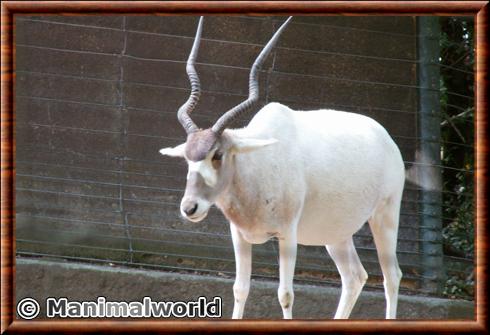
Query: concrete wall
96	98
40	279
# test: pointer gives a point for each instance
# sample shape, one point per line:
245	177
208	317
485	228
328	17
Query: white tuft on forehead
205	169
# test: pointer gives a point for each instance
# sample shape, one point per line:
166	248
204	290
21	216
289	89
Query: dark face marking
217	159
199	144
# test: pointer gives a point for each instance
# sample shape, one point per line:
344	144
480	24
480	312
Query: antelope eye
217	156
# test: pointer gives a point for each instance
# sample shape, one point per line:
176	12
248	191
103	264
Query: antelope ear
177	151
250	144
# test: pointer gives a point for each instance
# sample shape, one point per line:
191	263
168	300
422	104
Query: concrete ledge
40	279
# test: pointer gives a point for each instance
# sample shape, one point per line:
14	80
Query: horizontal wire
417	138
167	267
208	271
71	245
176	231
223	41
178	191
163	163
330	268
216	222
260	45
64	207
177	204
272	19
294	74
20	18
58	100
169	189
82	222
67	193
327	267
84	181
136	83
305	267
87	52
464	109
122	225
452	92
364	82
394	84
62	75
240	17
169	164
173	113
407	188
207	234
318	25
140	251
358	107
101	170
220	221
264	71
440	166
369	249
455	68
412	189
145	109
460	259
218	92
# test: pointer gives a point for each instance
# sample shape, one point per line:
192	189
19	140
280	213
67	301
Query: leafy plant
457	155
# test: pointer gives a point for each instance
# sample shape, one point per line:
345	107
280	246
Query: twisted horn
190	104
253	84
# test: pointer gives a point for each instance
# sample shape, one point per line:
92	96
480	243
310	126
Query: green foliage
457	131
460	287
459	232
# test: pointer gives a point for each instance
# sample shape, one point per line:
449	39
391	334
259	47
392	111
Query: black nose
190	210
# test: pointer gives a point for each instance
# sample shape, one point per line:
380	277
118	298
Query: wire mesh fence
96	98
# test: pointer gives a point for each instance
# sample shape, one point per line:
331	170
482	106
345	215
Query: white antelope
312	178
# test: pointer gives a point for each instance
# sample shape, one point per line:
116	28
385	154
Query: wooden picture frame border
479	9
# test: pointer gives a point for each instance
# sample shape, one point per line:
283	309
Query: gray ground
40	279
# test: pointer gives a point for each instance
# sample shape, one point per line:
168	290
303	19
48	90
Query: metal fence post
429	153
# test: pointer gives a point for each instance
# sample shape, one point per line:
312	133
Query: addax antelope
307	177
